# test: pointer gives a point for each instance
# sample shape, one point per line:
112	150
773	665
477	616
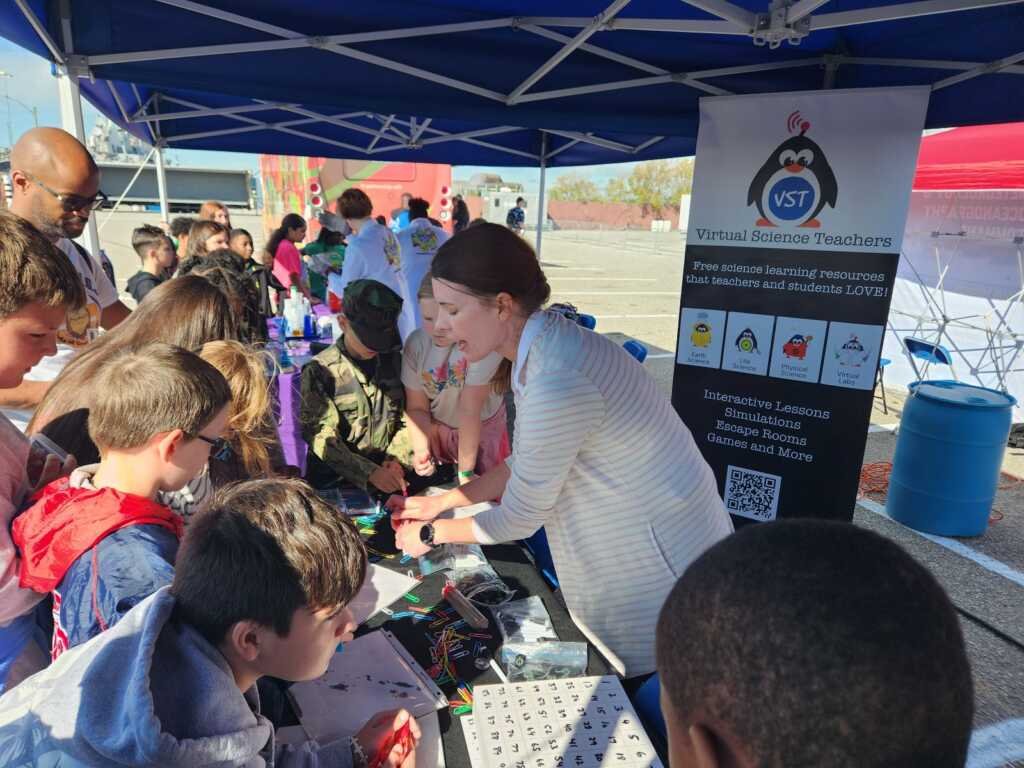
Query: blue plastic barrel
948	455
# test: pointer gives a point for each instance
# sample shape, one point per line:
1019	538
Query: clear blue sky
33	85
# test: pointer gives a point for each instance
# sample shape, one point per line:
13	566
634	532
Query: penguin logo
747	342
701	336
852	354
795	183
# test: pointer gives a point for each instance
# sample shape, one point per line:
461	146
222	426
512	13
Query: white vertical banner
799	206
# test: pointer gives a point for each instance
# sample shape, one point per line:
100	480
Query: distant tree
575	187
654	184
617	190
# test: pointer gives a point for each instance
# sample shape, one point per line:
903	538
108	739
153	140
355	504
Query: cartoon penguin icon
852	353
747	342
796	347
701	336
794	184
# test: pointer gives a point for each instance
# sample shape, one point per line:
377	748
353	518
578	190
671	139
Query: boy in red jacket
98	540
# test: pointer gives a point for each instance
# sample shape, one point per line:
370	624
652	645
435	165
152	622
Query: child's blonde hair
249	422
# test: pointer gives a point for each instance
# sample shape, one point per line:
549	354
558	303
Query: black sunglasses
72	202
220	448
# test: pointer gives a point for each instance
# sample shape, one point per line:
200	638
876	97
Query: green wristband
466	473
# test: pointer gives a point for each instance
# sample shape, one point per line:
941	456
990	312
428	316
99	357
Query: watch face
427	534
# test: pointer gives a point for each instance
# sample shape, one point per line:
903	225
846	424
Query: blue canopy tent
500	82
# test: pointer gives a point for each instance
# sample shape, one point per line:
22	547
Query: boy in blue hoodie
262	586
98	540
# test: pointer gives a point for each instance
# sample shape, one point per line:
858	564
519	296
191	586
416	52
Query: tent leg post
124	194
540	197
73	122
161	183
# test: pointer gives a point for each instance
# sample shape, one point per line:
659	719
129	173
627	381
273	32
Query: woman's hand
424	508
383	729
407	537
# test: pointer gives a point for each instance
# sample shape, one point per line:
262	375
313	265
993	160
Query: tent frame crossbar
784	20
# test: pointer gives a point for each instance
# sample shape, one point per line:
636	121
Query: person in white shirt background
373	252
600	458
418	243
55	185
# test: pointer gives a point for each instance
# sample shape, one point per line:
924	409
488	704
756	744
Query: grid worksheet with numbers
579	722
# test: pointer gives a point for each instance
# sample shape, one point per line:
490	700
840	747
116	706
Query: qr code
752	494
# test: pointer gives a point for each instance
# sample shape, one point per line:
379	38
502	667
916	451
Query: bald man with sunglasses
55	186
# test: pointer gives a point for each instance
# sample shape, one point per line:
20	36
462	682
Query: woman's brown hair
354	204
199	233
186	312
489	259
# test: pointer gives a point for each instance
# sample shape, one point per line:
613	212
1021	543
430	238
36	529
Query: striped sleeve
554	419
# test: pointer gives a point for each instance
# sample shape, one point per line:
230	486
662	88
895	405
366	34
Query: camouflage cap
373	310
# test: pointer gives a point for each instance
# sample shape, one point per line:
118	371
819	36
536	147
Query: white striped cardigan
602	460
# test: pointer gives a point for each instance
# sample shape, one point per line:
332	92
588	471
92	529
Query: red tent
976	157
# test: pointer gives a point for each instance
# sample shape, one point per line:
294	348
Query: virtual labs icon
852	354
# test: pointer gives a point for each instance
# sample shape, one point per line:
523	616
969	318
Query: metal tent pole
71	110
540	197
73	122
124	194
161	183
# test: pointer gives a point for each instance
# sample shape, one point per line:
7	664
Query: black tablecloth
517	570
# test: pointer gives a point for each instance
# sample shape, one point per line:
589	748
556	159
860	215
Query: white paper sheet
430	751
374	673
577	722
291	734
472	742
381	588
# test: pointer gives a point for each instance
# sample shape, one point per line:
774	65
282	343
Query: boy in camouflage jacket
352	395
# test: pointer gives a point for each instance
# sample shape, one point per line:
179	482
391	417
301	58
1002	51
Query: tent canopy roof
494	81
976	157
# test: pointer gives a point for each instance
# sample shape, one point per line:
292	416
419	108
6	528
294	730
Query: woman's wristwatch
427	534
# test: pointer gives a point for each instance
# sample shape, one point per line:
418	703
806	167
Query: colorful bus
289	186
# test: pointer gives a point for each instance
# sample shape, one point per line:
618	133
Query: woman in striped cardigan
599	457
